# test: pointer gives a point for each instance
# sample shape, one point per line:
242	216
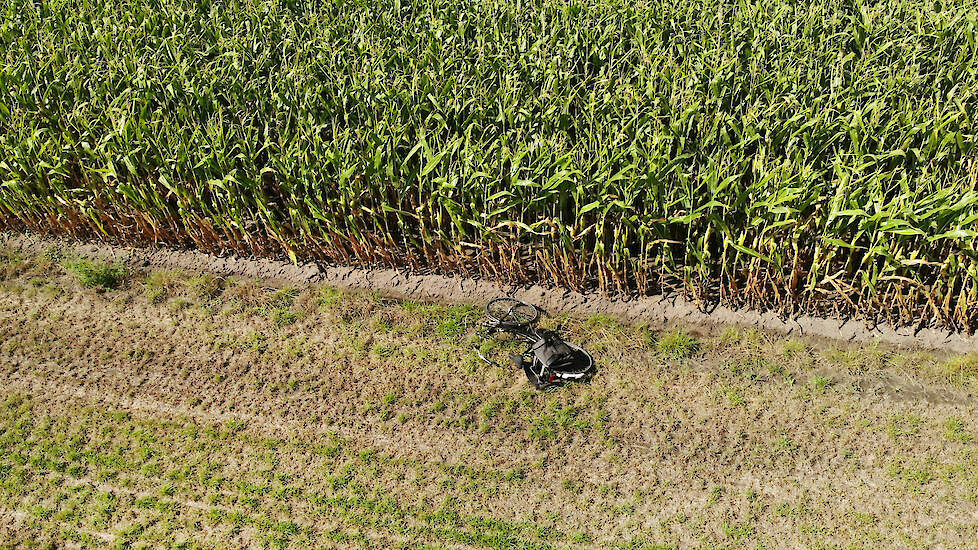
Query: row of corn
795	156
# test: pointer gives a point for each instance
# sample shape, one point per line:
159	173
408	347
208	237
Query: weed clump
677	345
11	264
204	287
94	274
956	430
960	369
158	285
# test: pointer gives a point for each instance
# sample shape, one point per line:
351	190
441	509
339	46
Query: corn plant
815	156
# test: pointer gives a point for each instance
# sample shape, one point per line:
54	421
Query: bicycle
548	359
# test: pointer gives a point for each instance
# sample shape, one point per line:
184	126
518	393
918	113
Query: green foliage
11	264
205	286
158	284
821	383
454	320
819	149
903	426
677	345
279	307
960	368
956	430
385	349
95	274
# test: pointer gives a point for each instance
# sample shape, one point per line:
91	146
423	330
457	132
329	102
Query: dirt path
660	311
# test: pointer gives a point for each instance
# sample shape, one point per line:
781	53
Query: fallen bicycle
548	359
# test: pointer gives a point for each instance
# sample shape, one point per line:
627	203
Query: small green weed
820	384
204	287
677	345
904	426
158	285
456	320
94	274
955	430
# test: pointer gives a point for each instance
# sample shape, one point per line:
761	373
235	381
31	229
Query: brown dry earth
191	410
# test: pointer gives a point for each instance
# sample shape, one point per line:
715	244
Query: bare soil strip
171	408
660	311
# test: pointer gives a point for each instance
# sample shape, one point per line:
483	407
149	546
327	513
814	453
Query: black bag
552	360
553	353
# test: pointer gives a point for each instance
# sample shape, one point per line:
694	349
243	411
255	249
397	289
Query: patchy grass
821	383
677	344
159	285
199	410
205	286
12	264
960	369
97	274
956	430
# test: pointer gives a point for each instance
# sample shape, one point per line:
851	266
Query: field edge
661	311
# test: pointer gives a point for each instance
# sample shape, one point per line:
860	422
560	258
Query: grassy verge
190	411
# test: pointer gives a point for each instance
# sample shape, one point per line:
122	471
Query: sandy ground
189	408
661	311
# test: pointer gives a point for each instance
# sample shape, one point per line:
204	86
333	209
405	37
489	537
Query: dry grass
197	412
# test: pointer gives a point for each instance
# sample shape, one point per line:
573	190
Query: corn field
815	156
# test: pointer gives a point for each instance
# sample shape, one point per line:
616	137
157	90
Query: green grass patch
677	344
97	274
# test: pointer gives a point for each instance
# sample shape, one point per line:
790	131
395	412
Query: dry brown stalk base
661	311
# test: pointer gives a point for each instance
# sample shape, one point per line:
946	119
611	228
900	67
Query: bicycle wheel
512	312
